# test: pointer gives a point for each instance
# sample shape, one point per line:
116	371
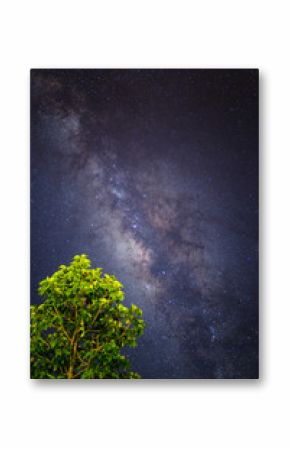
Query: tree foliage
80	328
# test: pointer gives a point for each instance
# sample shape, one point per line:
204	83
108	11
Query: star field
154	175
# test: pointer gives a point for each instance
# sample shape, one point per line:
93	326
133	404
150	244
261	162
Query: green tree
81	326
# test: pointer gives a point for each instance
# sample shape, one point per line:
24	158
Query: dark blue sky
154	175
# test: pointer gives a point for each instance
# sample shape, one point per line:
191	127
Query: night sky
154	175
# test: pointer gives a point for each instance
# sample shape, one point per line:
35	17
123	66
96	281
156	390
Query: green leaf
81	321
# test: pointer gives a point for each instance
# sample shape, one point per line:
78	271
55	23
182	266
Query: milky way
154	175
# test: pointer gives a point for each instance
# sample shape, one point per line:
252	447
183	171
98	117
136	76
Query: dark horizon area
154	175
